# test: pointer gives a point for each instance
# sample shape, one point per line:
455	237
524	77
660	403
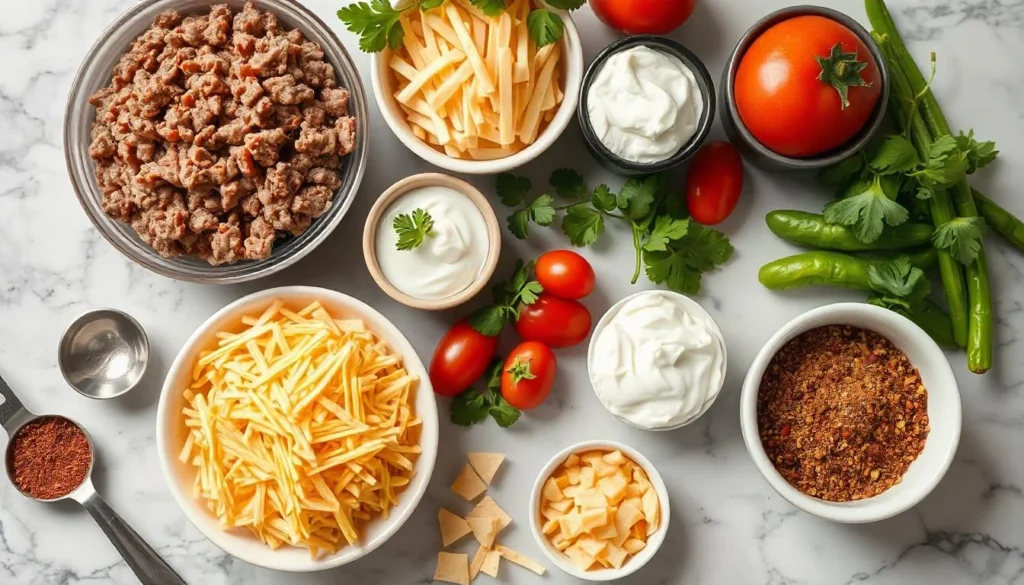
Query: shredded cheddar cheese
301	428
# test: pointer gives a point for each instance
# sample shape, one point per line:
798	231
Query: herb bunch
473	406
671	248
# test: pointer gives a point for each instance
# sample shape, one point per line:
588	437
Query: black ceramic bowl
760	154
616	163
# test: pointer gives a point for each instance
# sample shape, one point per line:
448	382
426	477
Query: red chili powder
50	458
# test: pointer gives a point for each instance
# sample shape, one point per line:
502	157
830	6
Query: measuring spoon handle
143	560
12	412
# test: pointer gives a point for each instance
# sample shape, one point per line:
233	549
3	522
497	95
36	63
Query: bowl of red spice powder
49	457
851	412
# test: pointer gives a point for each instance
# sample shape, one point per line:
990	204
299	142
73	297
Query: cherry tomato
652	17
554	321
715	182
460	359
528	375
781	99
565	274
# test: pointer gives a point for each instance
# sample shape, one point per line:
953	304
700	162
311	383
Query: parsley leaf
842	172
603	199
637	196
512	189
472	407
680	266
412	229
945	165
583	224
962	237
541	211
489	320
545	27
568	184
502	412
428	5
895	155
469	408
867	213
376	23
566	4
895	278
489	7
666	229
979	154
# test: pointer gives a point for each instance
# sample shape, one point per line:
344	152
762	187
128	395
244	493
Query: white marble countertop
728	526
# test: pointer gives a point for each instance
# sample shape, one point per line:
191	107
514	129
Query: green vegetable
508	297
1001	221
867	211
927	316
962	237
833	269
979	339
924	257
979	154
472	407
811	229
412	229
669	247
545	27
842	71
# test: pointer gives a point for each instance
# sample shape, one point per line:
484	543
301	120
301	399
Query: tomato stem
842	71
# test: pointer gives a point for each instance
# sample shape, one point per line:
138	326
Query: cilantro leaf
583	224
944	166
979	154
895	278
428	5
603	199
376	23
489	7
545	27
541	211
867	213
637	196
842	172
568	184
469	408
566	4
489	320
666	229
895	155
962	236
512	189
412	229
502	412
530	291
518	280
681	264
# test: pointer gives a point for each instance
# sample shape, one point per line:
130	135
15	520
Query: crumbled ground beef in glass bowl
216	142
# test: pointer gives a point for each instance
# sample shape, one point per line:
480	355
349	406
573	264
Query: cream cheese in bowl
657	360
453	252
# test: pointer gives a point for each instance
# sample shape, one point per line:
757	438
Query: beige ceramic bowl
431	180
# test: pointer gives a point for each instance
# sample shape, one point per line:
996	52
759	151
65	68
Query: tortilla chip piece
452	568
491	561
484	529
488	508
453	527
468	485
486	465
520	559
478	561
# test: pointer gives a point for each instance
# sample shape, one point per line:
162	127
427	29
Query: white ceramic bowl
943	412
170	433
692	307
572	59
632	564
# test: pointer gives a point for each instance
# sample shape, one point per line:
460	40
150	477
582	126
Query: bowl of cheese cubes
599	510
474	93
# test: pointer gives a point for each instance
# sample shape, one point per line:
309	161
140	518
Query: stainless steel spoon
143	560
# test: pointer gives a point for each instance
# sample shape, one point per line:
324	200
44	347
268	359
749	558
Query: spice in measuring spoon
50	458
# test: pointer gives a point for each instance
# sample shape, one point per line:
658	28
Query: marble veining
727	527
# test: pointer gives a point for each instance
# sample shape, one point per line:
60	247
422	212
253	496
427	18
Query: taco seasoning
49	458
842	413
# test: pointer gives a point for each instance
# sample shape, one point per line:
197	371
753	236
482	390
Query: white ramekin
633	564
943	412
692	307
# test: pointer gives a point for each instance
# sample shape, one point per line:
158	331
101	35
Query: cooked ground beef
218	133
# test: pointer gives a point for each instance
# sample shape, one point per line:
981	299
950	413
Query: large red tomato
790	83
715	182
460	359
528	375
650	17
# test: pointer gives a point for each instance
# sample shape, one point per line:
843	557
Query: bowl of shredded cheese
297	429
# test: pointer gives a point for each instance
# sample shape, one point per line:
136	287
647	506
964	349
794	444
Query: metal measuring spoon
143	560
103	353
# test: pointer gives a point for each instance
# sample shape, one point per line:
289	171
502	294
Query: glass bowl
95	73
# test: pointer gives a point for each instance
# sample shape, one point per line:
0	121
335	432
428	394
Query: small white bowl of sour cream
657	360
450	246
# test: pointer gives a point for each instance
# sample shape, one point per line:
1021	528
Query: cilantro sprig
473	406
898	285
962	236
412	228
378	23
508	297
670	248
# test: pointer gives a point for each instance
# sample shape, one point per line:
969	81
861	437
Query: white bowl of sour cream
657	360
431	241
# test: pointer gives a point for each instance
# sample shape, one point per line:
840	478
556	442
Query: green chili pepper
828	269
935	322
1001	221
923	258
811	229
